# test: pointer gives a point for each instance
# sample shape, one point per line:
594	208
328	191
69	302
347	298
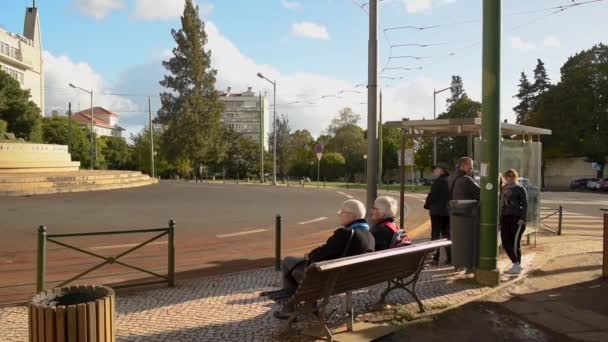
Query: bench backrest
352	273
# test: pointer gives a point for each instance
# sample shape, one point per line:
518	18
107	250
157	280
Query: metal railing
44	238
547	213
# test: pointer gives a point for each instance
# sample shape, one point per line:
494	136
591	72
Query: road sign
409	157
319	151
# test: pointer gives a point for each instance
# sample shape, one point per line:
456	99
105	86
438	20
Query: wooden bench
399	267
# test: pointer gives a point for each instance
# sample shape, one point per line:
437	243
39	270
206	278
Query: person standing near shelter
437	205
513	213
462	185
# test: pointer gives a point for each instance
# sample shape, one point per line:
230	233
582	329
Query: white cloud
60	71
522	45
164	9
306	29
291	4
98	9
415	6
551	41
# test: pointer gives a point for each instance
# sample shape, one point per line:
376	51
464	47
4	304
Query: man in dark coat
353	238
437	205
462	184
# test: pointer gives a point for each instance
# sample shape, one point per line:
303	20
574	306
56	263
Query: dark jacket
464	187
437	200
362	242
383	235
514	201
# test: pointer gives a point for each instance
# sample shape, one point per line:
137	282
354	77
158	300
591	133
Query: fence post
41	267
324	180
277	243
559	223
171	253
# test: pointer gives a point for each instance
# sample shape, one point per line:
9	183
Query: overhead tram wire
554	10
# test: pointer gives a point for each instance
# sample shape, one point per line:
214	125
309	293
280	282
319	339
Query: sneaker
283	314
515	269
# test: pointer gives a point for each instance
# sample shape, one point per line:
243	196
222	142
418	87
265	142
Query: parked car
580	183
604	184
593	184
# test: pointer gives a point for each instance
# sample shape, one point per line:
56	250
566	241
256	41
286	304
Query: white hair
387	206
354	207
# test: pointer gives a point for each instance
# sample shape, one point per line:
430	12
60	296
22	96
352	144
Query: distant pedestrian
199	173
513	213
385	231
437	204
462	185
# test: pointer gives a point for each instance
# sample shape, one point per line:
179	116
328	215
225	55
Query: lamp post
372	107
274	128
90	92
435	92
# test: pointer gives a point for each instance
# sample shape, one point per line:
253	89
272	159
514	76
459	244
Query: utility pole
262	140
69	126
372	107
93	140
487	272
435	92
380	145
152	170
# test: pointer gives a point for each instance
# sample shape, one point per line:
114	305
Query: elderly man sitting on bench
352	238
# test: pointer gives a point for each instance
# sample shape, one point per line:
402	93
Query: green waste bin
464	231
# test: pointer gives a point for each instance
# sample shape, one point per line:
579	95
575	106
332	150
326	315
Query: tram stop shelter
520	149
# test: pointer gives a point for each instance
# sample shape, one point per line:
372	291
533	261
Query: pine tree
542	83
191	108
526	97
457	89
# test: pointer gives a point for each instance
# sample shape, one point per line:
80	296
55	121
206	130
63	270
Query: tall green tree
301	154
116	153
456	91
20	113
542	83
349	141
345	117
332	166
527	96
575	109
191	108
55	131
283	145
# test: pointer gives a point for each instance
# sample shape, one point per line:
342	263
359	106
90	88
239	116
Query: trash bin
464	229
75	313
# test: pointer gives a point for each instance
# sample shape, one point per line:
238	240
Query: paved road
220	228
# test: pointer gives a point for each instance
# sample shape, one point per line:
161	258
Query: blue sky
313	48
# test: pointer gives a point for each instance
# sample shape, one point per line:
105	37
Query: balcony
13	56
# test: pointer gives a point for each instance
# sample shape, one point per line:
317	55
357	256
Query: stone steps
51	183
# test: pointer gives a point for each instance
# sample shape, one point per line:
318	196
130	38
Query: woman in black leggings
514	209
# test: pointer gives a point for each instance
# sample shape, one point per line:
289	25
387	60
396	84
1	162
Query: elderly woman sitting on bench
352	238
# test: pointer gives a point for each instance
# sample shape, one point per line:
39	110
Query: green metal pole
490	143
171	253
41	269
380	144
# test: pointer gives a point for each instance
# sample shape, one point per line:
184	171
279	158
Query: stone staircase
39	183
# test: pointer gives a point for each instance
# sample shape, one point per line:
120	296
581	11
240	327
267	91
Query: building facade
21	56
105	122
244	113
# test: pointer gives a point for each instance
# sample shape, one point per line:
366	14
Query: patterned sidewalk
229	308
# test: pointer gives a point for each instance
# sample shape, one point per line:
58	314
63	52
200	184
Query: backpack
399	238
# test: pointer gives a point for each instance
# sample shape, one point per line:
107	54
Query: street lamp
435	92
274	129
90	92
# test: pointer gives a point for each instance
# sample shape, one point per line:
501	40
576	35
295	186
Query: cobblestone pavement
229	308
